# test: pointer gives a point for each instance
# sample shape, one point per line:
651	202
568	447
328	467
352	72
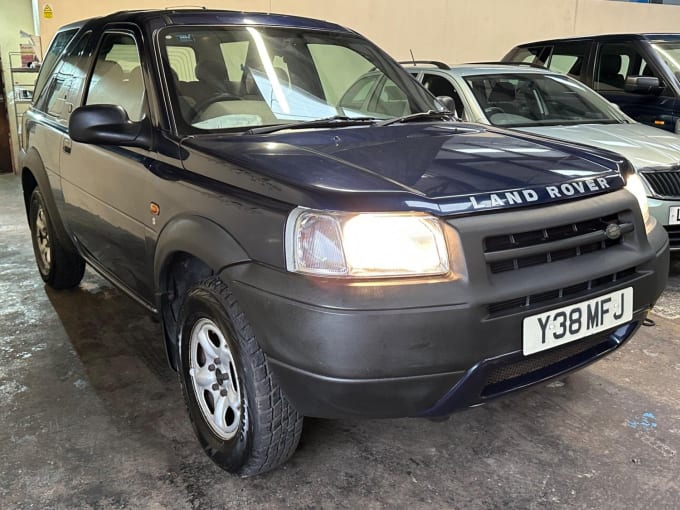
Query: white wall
451	30
15	15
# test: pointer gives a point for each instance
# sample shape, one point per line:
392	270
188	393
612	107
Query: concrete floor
91	417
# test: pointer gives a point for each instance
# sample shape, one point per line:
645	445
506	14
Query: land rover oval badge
613	231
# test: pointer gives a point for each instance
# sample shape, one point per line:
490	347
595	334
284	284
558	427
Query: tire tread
277	430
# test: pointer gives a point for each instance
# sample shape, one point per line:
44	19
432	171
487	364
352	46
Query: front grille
665	184
673	235
533	300
540	365
515	251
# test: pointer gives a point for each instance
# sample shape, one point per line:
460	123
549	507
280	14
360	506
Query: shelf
31	70
22	80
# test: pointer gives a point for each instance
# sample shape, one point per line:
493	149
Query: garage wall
451	30
15	15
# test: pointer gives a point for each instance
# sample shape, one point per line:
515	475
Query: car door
105	187
614	63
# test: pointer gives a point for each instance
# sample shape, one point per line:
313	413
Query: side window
568	58
58	45
356	96
117	75
531	55
57	98
440	86
391	101
615	63
56	93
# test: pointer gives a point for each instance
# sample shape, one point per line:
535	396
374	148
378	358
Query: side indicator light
659	122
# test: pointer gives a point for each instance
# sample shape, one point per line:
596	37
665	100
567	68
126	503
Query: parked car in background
638	72
536	100
315	252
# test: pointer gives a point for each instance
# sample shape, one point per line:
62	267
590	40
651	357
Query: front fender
200	237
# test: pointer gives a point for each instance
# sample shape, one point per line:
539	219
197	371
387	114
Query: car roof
650	36
482	68
196	16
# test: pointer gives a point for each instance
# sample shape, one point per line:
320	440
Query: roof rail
440	65
527	64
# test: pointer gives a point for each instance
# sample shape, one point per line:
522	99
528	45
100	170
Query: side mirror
642	84
448	103
107	124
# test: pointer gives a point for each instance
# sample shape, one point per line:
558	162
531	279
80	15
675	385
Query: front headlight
368	245
636	187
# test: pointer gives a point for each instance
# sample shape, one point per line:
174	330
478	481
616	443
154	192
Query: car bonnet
444	168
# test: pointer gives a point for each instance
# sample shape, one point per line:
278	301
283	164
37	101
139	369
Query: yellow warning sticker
48	13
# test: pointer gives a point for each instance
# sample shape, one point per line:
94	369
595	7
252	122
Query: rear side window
568	58
58	45
66	80
529	55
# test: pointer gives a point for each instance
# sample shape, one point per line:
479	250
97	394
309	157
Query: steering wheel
218	98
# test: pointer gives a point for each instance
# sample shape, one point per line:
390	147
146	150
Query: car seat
609	71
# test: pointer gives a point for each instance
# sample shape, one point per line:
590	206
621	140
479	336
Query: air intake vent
553	296
515	251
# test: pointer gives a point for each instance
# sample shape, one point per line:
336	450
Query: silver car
536	100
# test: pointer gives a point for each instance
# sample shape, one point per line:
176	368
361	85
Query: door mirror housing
107	124
448	103
642	84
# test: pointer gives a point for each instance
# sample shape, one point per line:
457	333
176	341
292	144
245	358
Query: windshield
524	100
236	78
669	52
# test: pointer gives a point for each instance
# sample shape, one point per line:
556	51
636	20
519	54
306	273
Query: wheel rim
42	239
214	379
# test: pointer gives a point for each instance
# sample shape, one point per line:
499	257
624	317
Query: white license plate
563	325
674	215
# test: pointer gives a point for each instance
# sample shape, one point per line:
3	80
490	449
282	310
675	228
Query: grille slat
665	184
523	303
518	250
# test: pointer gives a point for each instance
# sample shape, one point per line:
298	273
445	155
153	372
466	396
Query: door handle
67	145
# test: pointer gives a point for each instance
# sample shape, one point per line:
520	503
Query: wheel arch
189	249
34	175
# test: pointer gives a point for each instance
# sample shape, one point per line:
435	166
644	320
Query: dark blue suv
638	72
312	246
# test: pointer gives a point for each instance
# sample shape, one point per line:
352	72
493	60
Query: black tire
59	268
264	431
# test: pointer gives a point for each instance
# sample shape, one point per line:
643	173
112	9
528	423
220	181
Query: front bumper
428	347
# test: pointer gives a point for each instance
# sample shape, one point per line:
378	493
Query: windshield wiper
430	114
328	122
